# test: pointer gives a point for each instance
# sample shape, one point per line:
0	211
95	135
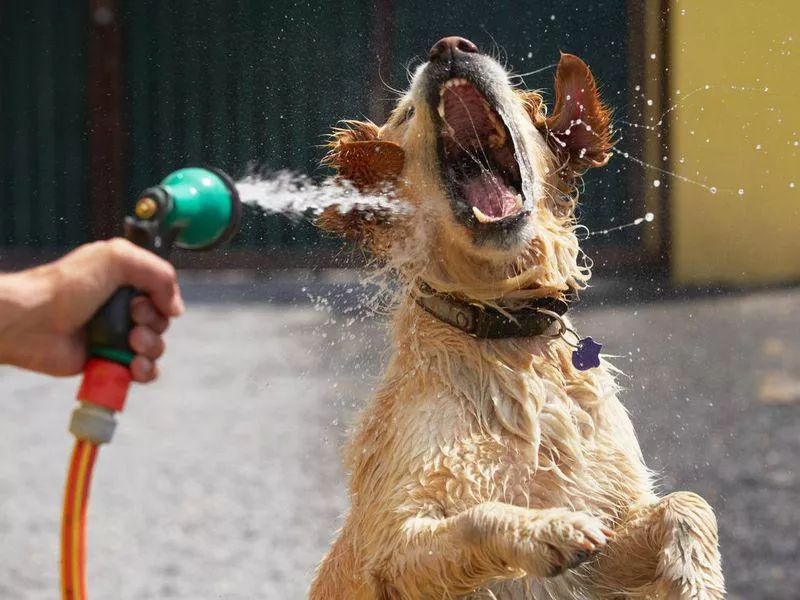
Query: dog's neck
512	385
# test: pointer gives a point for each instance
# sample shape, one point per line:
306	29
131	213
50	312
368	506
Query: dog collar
485	322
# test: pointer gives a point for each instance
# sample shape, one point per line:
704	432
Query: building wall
735	139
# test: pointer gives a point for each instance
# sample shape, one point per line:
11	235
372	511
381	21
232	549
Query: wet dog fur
495	468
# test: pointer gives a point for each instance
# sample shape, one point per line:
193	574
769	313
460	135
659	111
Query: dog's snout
447	48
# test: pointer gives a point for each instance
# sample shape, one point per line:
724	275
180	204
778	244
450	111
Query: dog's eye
406	115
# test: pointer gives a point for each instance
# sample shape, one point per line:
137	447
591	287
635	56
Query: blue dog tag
587	354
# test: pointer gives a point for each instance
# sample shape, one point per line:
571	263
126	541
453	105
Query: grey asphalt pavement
223	481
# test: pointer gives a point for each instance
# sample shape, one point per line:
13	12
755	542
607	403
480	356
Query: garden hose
73	521
195	209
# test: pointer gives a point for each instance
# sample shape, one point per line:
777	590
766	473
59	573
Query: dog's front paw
570	539
541	543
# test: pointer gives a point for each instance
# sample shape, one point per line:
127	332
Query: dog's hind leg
666	550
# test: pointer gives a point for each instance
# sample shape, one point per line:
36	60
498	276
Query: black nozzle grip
107	332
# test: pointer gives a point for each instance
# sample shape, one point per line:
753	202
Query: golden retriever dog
495	459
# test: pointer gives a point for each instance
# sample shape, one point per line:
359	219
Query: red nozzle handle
105	383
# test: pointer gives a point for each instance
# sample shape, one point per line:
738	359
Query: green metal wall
43	156
234	83
242	82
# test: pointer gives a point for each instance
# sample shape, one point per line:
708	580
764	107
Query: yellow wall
724	237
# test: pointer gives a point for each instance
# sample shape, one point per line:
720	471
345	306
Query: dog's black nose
447	48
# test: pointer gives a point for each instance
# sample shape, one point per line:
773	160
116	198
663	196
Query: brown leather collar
485	322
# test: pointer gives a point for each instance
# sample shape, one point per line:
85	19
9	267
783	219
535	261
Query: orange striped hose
73	521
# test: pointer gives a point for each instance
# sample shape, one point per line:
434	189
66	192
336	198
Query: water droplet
741	191
791	185
649	217
649	102
712	189
653	56
656	183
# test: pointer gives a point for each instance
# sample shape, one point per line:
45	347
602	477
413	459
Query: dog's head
489	175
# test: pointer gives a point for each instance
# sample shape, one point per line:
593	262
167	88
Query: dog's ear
361	158
371	165
579	128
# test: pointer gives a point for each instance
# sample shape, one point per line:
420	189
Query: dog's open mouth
478	161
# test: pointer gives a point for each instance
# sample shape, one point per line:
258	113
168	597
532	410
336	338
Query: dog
495	460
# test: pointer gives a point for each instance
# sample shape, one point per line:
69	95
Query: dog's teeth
518	202
456	81
482	218
513	190
451	83
440	109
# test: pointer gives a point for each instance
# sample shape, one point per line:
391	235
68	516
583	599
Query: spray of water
298	196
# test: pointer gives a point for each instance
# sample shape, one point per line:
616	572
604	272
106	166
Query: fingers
143	370
148	346
144	312
146	342
144	270
145	339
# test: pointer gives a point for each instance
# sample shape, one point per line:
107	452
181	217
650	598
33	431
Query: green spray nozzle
199	207
195	209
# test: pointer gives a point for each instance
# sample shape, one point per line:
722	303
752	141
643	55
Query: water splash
683	97
298	196
656	125
657	182
647	218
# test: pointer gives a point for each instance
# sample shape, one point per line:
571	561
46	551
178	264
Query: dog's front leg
666	549
456	555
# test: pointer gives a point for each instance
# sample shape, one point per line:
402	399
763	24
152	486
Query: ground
223	481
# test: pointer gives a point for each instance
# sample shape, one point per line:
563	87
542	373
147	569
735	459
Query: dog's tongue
490	195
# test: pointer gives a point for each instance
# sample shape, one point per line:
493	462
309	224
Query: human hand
43	311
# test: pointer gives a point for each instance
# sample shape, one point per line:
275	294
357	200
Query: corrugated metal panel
238	83
527	36
42	124
234	83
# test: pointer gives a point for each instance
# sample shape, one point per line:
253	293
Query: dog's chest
464	467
